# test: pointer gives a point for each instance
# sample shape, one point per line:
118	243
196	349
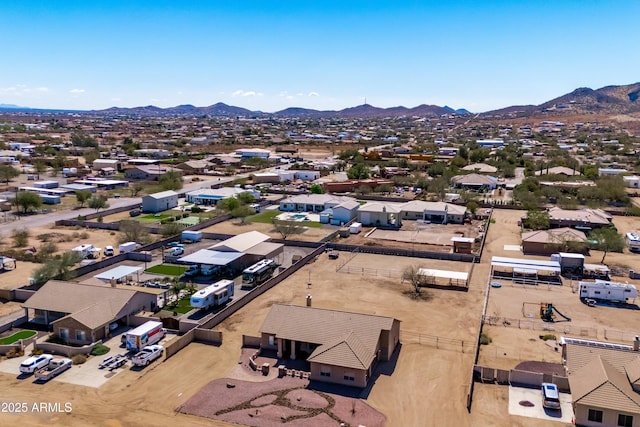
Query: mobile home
213	295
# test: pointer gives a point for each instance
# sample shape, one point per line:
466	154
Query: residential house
547	242
558	170
582	219
195	167
380	214
474	181
148	172
435	212
211	196
344	212
480	168
82	313
605	382
312	202
341	347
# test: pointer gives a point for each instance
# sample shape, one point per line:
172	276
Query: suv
550	396
176	251
134	212
34	363
109	251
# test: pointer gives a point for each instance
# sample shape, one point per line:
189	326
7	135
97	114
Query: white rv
607	291
213	295
633	241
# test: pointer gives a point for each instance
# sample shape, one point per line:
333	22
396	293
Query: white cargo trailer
127	247
607	291
148	333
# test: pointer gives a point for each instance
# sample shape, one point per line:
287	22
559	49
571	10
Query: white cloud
22	90
241	92
77	91
313	94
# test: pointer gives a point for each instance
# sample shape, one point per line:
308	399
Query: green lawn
183	306
265	217
22	335
167	270
153	217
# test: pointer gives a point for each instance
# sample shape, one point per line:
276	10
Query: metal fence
561	328
441	343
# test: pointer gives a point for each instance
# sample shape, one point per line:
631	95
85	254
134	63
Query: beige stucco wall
337	375
609	418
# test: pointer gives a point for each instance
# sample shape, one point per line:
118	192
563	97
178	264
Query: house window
81	335
325	371
595	415
625	420
64	334
349	376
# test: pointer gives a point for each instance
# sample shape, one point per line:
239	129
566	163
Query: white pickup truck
55	367
147	355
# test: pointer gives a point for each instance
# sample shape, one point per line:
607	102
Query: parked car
109	251
34	363
134	212
176	251
550	396
175	245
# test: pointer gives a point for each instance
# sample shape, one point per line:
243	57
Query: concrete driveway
534	395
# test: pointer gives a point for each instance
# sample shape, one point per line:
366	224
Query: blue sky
269	55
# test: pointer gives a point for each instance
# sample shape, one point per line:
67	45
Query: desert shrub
14	353
485	339
84	235
20	238
79	359
37	352
55	339
75	235
99	350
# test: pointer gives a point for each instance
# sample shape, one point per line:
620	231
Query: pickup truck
55	367
147	355
34	363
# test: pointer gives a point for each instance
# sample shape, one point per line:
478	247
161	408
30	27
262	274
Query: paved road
40	220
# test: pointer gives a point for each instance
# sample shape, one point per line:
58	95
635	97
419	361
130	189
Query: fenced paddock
441	343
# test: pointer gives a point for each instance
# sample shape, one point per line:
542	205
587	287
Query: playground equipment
548	313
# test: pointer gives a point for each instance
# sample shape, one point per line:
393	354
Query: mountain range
606	100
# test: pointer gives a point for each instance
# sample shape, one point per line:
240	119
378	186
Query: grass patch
153	217
22	335
182	306
265	217
167	270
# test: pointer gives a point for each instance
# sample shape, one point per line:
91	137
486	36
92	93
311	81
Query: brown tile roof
579	355
598	384
633	371
353	336
556	235
91	305
348	352
589	216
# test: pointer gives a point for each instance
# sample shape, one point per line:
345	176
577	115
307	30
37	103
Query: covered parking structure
119	274
444	278
227	260
526	271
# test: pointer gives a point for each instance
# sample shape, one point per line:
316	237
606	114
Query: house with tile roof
547	242
605	382
341	347
81	313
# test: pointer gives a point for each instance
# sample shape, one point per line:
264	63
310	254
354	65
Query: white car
109	251
33	363
176	251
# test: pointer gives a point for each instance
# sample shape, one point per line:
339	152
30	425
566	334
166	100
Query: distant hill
584	100
11	107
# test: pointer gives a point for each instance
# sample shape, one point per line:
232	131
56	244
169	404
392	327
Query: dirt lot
520	339
152	395
311	234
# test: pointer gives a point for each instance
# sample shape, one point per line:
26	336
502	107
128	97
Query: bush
548	337
485	339
100	219
79	359
20	238
196	209
37	352
14	353
84	235
55	339
99	350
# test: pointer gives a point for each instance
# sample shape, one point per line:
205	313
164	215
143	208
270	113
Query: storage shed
159	202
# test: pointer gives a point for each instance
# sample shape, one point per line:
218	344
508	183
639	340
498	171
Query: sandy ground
236	227
427	386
